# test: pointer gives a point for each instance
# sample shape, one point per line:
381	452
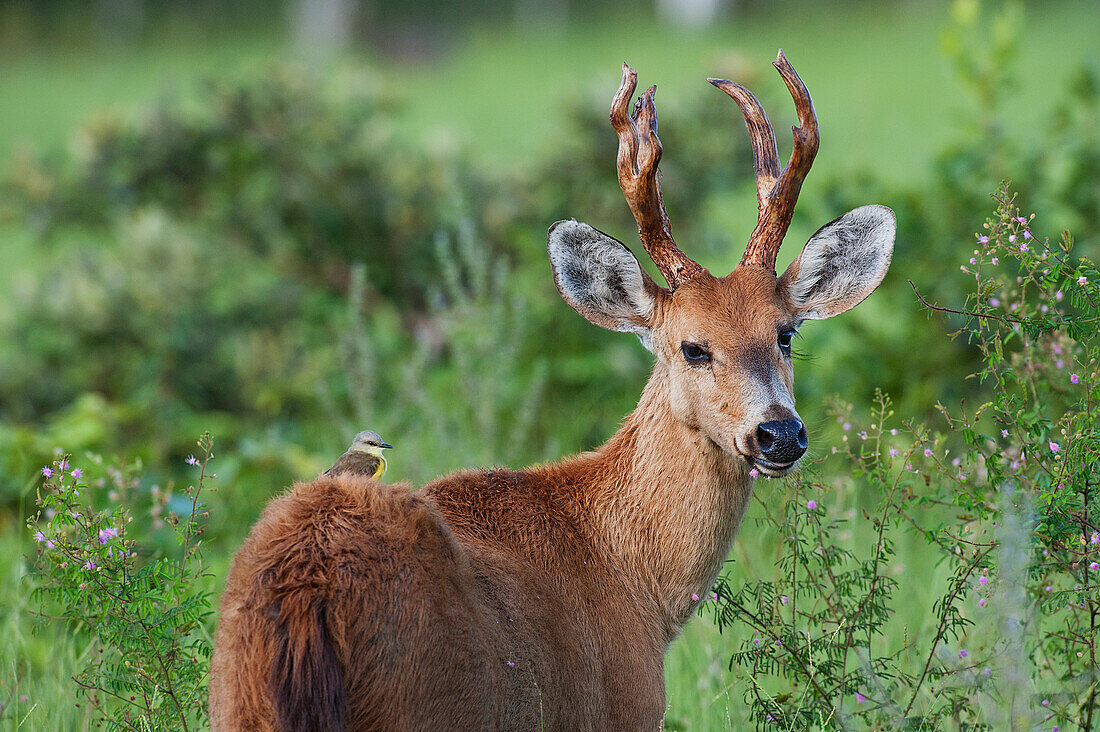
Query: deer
547	597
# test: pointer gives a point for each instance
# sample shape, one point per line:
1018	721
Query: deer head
724	343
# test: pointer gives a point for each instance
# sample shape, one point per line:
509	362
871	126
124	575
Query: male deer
546	598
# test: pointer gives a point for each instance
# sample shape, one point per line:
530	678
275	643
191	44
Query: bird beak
384	445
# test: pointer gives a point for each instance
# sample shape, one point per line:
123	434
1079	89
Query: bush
1011	521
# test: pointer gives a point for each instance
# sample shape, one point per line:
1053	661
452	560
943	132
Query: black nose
782	441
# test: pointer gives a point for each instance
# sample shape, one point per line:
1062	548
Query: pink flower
39	537
1004	433
1045	702
1094	539
78	473
47	472
1082	280
784	599
1012	238
994	302
981	602
893	452
89	565
1060	364
1074	378
1027	234
983	580
846	426
860	698
811	504
963	653
1021	220
994	260
1023	248
511	664
754	473
1055	447
1094	566
983	239
106	535
63	465
1057	349
894	432
927	452
694	597
192	460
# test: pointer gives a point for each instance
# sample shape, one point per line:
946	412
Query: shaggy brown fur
536	599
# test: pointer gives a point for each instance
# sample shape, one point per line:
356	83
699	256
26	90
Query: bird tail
306	679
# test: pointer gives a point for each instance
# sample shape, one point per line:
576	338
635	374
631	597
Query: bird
364	457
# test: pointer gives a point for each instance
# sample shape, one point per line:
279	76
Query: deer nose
782	441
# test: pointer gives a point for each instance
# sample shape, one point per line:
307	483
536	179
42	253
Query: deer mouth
770	469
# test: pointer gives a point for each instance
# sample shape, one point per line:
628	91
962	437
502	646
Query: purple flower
1027	234
1074	378
983	580
981	602
846	426
1021	220
50	544
1094	539
994	302
754	473
994	260
987	672
192	460
963	653
1004	433
756	641
811	504
694	597
89	565
1011	238
894	432
1023	248
78	473
511	664
893	452
39	537
927	452
1045	702
47	472
1082	280
107	534
1094	566
1060	364
983	239
860	698
784	599
1054	447
63	465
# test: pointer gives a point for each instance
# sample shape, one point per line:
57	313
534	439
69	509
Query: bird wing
355	463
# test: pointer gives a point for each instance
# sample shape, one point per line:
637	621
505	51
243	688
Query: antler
639	154
776	189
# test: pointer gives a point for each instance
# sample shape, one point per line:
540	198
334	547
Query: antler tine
637	161
776	190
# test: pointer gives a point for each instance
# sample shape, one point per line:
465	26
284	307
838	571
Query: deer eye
785	337
695	354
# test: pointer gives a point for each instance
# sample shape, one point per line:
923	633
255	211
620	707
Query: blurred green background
283	222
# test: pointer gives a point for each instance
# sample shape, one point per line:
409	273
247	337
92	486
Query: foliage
143	608
1012	517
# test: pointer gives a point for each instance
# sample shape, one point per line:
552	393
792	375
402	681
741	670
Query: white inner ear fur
841	264
600	278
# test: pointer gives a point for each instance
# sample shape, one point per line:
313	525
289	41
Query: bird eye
785	341
695	354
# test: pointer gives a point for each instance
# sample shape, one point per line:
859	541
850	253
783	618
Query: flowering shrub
142	609
1003	496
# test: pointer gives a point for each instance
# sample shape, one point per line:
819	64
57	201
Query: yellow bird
364	457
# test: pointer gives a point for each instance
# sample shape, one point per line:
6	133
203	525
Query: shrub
142	605
1011	520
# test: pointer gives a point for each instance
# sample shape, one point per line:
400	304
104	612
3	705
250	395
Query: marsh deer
546	598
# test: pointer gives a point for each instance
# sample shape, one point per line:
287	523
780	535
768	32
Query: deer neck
667	504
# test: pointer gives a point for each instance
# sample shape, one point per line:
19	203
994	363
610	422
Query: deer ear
601	279
841	264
